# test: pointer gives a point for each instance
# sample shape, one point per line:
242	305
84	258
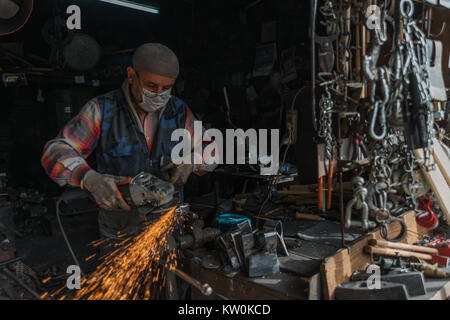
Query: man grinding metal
130	130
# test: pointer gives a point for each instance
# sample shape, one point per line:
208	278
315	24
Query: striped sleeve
64	157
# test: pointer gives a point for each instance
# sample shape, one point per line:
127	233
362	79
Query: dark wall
213	40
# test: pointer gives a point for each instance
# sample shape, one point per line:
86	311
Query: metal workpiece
263	264
248	243
198	236
183	210
413	281
251	251
395	271
277	226
359	290
267	240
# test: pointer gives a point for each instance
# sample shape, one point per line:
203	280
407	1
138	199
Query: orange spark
133	269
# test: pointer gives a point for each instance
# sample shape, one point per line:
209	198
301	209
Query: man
130	130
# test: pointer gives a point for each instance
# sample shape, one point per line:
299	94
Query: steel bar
204	288
13	277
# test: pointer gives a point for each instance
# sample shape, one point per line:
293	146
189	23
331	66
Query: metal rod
13	277
204	288
313	4
10	261
341	184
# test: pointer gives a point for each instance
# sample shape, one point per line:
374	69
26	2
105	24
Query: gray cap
156	58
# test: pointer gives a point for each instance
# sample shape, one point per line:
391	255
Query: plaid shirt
64	157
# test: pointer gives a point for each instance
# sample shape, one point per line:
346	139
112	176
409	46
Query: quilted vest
122	147
122	150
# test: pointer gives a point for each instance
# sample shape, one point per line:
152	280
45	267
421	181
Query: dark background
213	40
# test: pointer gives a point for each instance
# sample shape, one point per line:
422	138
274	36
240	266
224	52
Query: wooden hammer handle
306	216
404	246
395	252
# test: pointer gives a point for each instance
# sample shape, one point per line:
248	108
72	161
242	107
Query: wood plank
303	187
438	185
297	193
442	160
338	268
305	202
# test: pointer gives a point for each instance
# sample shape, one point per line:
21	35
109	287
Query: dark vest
122	150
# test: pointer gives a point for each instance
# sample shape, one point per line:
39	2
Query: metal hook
406	4
443	26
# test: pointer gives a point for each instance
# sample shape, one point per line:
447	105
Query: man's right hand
103	188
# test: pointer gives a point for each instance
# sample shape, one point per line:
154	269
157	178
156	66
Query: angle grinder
145	193
149	194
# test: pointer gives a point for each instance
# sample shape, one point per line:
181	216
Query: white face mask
152	101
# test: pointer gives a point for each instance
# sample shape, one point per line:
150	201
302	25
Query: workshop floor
49	255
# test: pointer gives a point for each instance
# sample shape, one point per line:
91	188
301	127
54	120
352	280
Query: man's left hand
178	174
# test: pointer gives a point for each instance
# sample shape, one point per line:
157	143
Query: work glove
103	188
178	174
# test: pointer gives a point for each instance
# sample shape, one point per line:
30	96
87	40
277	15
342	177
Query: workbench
313	270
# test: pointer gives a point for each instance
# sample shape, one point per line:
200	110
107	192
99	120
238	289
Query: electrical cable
313	4
65	236
295	99
275	179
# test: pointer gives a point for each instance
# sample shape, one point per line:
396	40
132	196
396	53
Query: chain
325	130
416	65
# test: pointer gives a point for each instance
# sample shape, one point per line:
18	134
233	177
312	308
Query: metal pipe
13	277
204	288
2	264
341	184
313	4
228	108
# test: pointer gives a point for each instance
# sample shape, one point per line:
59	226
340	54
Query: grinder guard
149	194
